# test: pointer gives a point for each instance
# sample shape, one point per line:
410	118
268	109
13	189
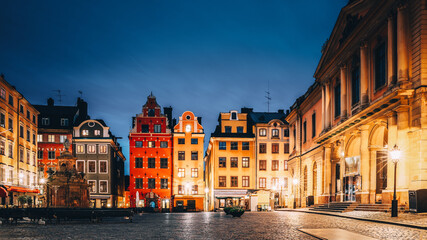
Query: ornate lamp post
395	154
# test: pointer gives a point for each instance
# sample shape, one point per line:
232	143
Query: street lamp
295	182
395	154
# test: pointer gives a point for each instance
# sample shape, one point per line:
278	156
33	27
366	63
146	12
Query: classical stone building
188	169
18	146
373	96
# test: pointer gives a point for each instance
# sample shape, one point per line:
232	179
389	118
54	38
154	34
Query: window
40	154
2	147
262	132
163	163
103	166
355	83
51	138
92	186
151	144
80	148
194	141
194	155
262	148
157	128
45	121
64	122
195	189
91	166
2	120
262	182
151	163
285	182
222	181
245	181
138	162
275	133
34	119
51	154
80	166
227	129
144	128
380	66
91	148
10	100
103	149
337	100
286	132
3	93
222	162
275	148
275	165
28	135
233	115
164	144
164	183
286	165
151	183
138	144
39	138
180	189
103	186
181	140
245	162
304	131
245	145
262	165
313	125
234	146
11	124
28	114
234	162
234	181
62	138
138	183
11	150
28	156
222	146
181	155
21	109
275	182
194	172
34	138
181	172
21	131
286	148
21	155
85	132
239	129
97	132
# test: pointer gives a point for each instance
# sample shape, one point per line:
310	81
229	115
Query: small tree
22	200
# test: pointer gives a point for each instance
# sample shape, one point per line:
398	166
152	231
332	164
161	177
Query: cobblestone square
210	225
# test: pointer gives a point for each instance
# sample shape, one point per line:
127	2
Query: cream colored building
188	174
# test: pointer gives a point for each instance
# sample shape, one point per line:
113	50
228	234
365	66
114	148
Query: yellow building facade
372	96
188	174
18	147
230	165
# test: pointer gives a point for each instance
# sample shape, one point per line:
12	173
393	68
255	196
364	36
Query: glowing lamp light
395	154
274	188
108	205
42	181
21	175
295	181
206	190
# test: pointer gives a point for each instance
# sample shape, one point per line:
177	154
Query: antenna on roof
268	97
59	95
81	93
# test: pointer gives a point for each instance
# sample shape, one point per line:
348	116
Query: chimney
281	111
246	110
82	111
199	119
50	102
168	113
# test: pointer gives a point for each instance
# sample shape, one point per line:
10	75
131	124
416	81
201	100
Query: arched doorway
379	157
352	180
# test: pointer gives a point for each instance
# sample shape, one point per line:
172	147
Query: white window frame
181	174
88	148
106	186
97	132
94	186
103	146
84	165
63	121
99	166
39	137
62	138
49	138
45	121
82	146
85	132
231	115
88	163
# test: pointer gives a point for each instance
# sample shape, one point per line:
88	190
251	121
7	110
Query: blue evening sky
199	55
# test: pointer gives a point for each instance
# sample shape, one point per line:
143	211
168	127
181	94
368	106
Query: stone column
343	77
364	75
323	108
327	112
402	45
328	172
391	51
364	163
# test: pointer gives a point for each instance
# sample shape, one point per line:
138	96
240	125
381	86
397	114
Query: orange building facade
150	153
188	179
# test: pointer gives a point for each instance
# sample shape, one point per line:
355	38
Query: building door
350	188
381	178
191	204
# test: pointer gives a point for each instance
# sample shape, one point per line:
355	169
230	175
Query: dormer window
97	132
45	121
227	129
64	122
233	115
85	132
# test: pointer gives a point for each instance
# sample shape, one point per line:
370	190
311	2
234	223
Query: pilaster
402	46
364	74
343	78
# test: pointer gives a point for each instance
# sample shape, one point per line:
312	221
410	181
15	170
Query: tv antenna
81	93
268	97
59	95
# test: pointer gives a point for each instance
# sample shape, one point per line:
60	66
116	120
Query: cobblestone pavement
407	218
272	225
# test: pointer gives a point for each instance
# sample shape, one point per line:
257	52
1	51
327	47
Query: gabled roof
266	117
55	113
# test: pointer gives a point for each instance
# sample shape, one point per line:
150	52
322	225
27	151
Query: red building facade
150	153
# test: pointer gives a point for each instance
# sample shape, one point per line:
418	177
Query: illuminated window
181	172
234	181
181	155
85	132
180	189
245	162
194	172
80	148
92	186
103	149
51	138
262	165
286	165
222	181
3	93
234	162
222	162
91	148
275	133
103	186
195	189
151	144
97	132
62	138
262	183
245	181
